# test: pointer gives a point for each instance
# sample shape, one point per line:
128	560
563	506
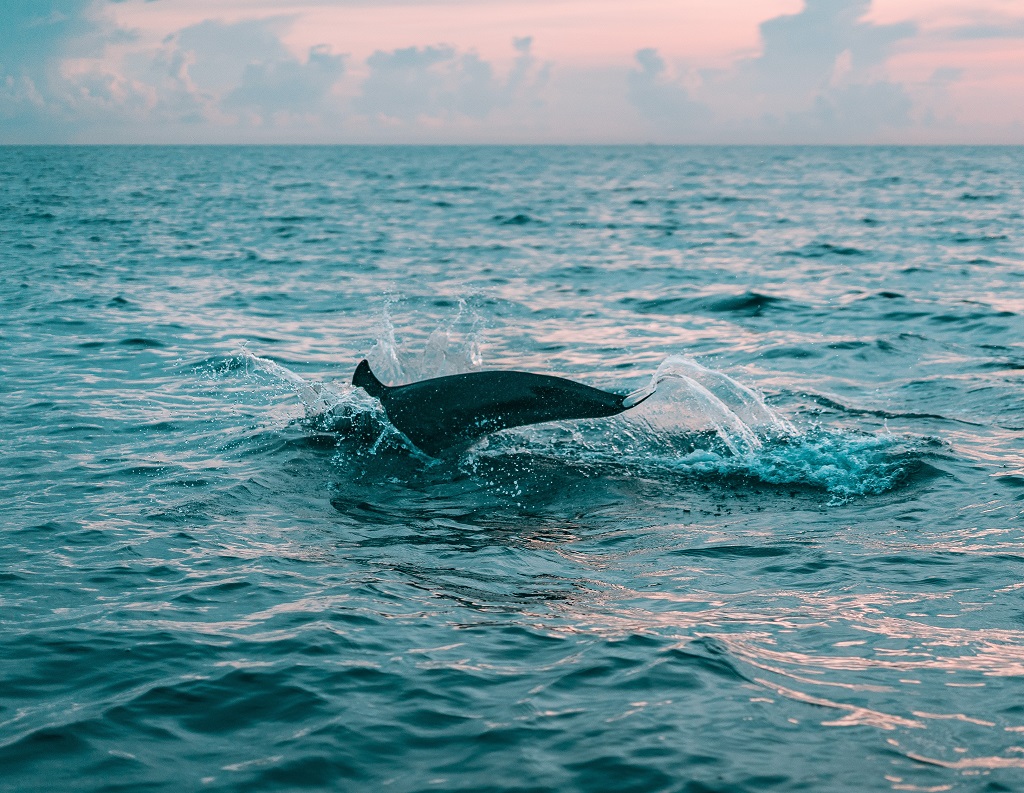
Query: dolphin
448	412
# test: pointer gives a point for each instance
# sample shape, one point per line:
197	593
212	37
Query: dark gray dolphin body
446	412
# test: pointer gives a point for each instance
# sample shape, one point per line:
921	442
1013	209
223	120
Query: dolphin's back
451	411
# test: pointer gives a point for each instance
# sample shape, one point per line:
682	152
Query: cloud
440	83
287	85
660	99
863	107
800	50
34	31
210	75
820	76
35	36
68	72
821	67
1008	28
214	69
945	76
218	53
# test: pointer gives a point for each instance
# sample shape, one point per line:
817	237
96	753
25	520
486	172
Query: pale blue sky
492	71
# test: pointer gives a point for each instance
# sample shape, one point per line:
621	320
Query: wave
745	303
819	250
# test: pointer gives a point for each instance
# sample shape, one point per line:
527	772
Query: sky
497	71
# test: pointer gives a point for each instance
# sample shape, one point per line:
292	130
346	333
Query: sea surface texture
799	566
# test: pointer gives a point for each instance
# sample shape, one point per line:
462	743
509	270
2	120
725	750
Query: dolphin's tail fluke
367	380
638	396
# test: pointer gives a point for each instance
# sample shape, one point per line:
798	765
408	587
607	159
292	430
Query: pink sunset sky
492	71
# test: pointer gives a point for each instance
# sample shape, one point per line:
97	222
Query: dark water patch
855	344
141	343
905	316
996	347
833	404
234	300
75	429
746	303
820	250
520	219
89	302
970	316
614	773
597	674
118	301
45	746
272	297
61	323
848	344
708	654
188	483
43	404
724	199
295	219
1008	365
791	351
729	551
60	527
282	187
981	197
212	593
105	221
917	471
142	470
312	771
967	239
883	181
239	700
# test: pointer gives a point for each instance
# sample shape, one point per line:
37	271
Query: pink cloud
593	71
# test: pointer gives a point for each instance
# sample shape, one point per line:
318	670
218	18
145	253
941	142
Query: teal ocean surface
798	566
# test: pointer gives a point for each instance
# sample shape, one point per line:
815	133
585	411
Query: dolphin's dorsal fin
367	380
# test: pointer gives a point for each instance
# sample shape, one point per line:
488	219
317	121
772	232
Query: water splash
453	347
316	397
383	355
698	423
701	422
744	404
689	396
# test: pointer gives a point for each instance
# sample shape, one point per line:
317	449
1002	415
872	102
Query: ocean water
798	566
